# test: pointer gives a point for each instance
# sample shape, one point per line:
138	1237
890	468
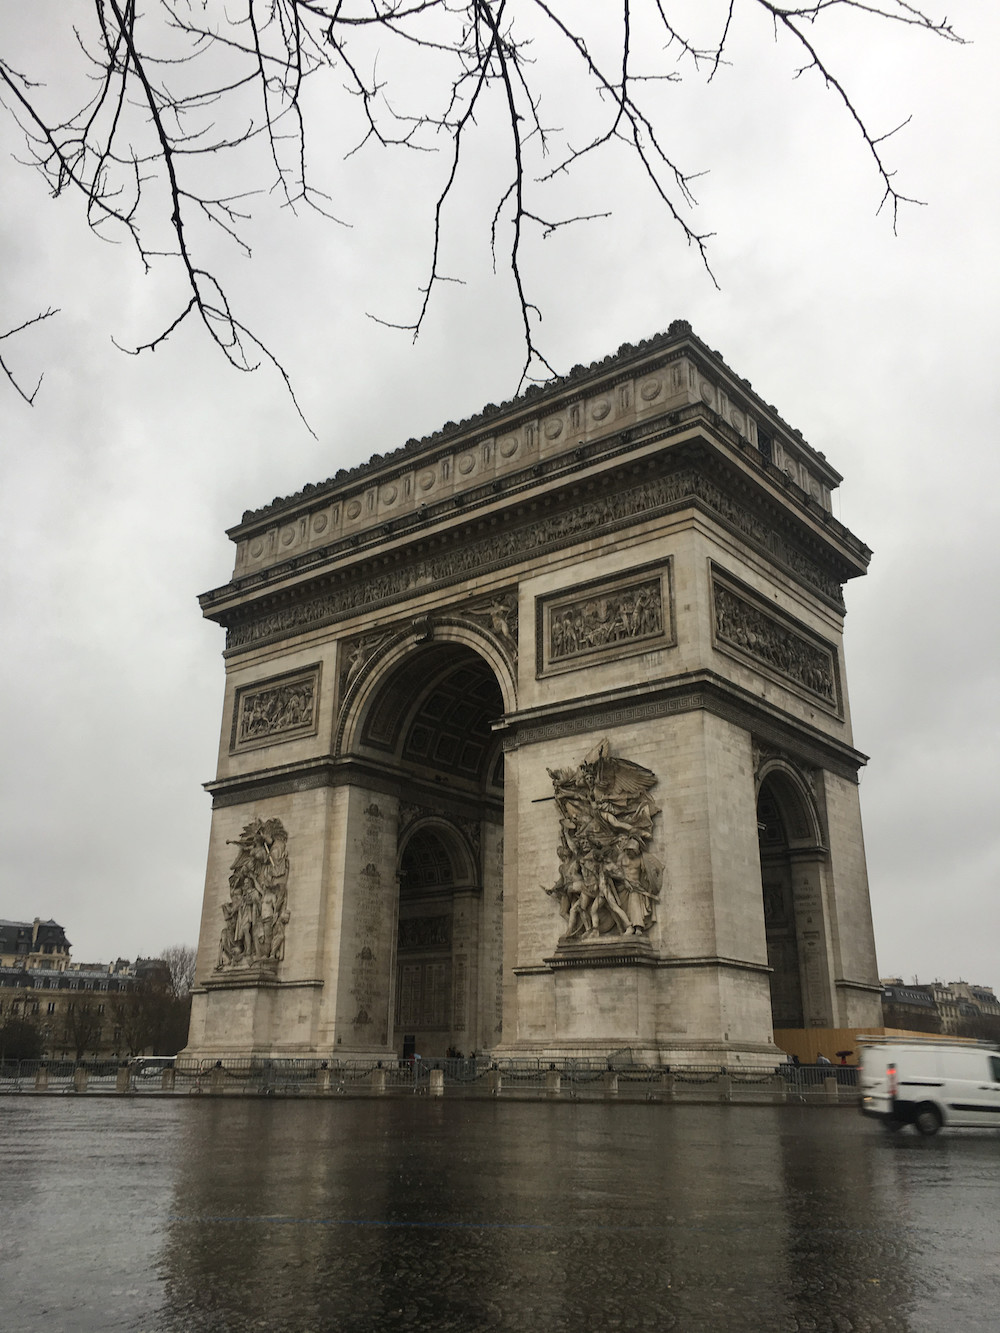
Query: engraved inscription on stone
742	625
424	994
368	966
460	979
605	619
275	710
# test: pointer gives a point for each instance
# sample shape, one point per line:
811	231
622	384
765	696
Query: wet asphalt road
210	1216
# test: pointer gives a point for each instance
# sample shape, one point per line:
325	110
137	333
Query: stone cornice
628	362
700	468
602	712
668	428
693	691
327	770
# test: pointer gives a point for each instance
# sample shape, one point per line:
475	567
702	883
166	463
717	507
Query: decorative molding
746	627
767	754
613	510
282	708
605	720
605	619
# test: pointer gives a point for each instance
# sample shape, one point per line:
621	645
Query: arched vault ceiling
436	711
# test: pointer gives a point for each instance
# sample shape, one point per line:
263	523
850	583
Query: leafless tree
81	1027
183	93
180	960
152	1013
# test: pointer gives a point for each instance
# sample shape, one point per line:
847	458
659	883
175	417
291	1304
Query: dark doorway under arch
430	982
779	909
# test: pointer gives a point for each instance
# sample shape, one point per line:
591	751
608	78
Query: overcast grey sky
118	484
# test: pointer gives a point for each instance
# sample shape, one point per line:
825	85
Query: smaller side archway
793	859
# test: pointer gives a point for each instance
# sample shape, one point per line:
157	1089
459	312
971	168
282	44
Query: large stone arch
392	653
793	860
417	724
635	571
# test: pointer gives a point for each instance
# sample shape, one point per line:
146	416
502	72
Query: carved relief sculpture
256	914
608	881
276	710
356	654
596	622
605	619
744	626
498	615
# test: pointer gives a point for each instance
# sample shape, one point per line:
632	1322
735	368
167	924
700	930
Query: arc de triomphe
536	739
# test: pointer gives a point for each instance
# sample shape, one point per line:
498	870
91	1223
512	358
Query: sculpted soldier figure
608	882
255	915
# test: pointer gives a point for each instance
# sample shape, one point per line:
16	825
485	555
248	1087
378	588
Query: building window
51	1007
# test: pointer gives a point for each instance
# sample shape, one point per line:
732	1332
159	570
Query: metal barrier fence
574	1078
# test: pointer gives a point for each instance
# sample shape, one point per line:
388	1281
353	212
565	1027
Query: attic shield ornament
608	881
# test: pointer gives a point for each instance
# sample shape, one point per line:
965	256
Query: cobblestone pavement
227	1216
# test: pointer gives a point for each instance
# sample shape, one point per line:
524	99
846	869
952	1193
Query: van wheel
927	1120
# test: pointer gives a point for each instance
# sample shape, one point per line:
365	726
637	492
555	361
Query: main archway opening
428	726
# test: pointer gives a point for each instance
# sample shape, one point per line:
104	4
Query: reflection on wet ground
212	1216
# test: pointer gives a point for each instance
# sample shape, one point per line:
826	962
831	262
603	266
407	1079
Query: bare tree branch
181	86
12	333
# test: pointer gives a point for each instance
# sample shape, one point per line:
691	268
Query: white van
926	1083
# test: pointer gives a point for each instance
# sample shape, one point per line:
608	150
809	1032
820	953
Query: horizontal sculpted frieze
425	932
276	710
608	618
742	625
511	544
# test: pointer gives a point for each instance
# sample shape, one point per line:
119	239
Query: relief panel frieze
607	513
605	619
746	628
283	708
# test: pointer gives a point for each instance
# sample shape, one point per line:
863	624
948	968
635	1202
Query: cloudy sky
118	483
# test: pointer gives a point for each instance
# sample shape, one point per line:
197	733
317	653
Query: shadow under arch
376	698
793	855
418	726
